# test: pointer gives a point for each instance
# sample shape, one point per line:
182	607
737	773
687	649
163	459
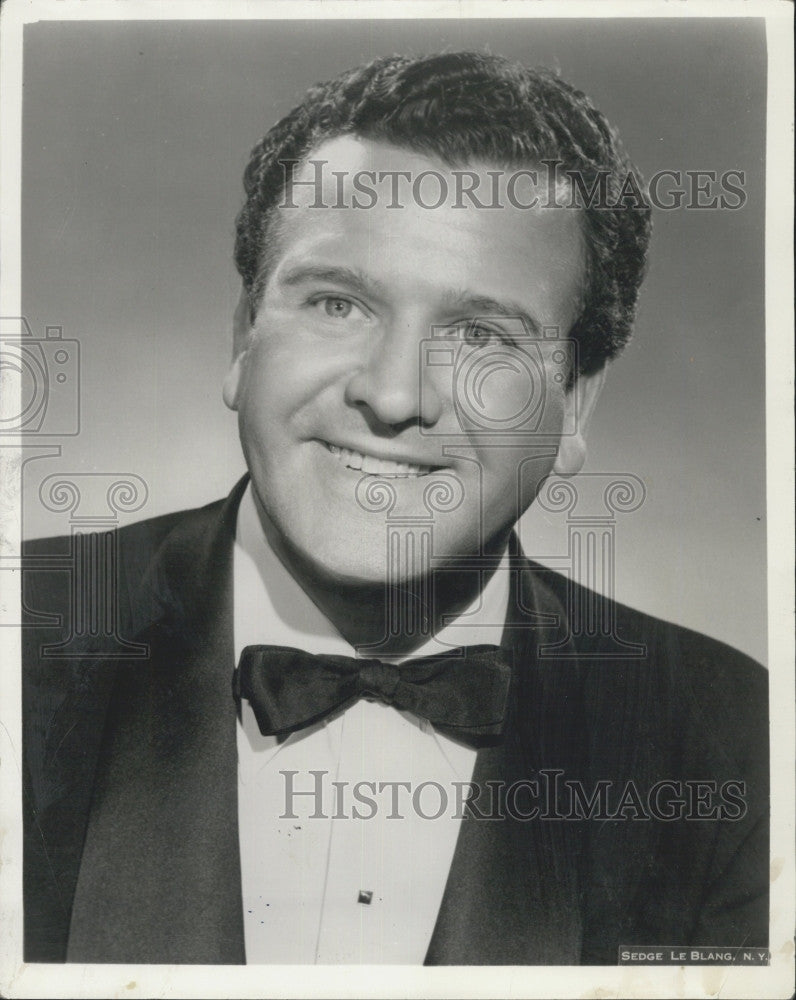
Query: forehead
402	237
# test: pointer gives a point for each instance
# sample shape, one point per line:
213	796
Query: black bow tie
463	691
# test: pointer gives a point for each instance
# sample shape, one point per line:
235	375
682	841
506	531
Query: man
439	257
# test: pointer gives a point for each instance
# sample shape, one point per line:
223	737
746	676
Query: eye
478	334
337	307
475	333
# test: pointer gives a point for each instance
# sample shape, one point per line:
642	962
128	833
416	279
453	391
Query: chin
402	561
352	567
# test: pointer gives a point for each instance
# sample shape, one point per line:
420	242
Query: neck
379	619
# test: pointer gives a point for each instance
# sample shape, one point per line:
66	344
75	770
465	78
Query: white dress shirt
310	862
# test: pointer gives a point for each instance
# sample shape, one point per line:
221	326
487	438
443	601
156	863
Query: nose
393	382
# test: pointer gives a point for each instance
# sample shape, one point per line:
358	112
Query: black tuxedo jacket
130	792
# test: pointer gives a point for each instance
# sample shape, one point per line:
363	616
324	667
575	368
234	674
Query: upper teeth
377	466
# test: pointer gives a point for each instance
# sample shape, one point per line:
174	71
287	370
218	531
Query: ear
579	405
241	331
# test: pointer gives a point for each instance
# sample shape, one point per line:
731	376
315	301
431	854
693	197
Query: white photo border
20	980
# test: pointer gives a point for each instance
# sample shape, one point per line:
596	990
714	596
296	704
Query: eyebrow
352	278
485	306
460	301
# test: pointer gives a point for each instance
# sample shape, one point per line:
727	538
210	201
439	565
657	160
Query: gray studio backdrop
135	137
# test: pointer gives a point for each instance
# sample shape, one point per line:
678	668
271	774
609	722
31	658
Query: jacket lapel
160	877
512	897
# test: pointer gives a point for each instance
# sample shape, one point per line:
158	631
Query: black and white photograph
396	439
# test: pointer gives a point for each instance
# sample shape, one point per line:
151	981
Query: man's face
364	380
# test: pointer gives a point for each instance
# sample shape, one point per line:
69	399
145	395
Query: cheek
514	397
511	479
513	470
279	374
292	387
501	391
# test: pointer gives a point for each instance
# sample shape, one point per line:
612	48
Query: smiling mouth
373	466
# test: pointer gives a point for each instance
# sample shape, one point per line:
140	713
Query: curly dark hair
460	107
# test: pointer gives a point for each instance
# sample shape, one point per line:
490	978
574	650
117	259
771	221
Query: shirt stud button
365	896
